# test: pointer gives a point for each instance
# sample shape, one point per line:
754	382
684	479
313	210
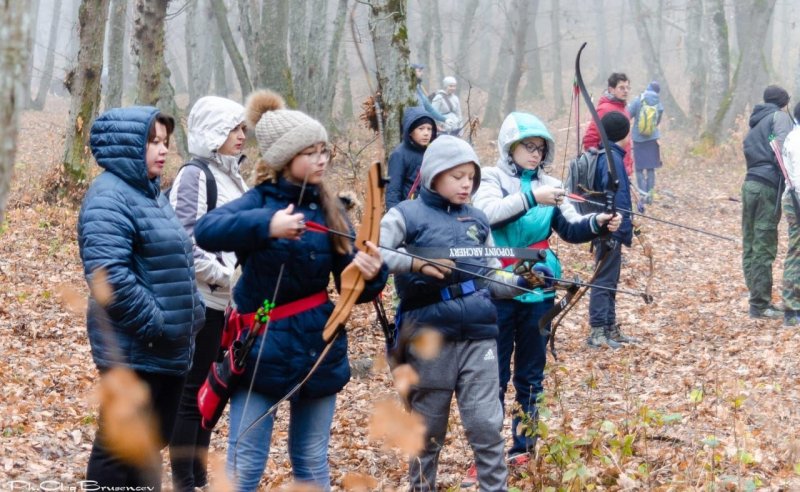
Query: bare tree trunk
148	34
221	14
465	39
25	89
520	25
534	86
275	29
719	61
491	117
331	75
424	47
116	57
653	63
387	23
166	103
83	83
253	45
49	61
180	85
220	87
299	65
198	49
558	80
13	39
347	94
438	43
750	76
602	45
695	61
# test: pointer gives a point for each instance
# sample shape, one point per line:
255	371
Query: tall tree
331	74
387	24
719	61
13	41
220	87
30	37
148	35
221	16
274	26
555	26
426	36
601	25
695	61
653	62
116	58
520	29
83	83
465	39
438	45
750	75
198	47
491	116
49	60
534	85
153	81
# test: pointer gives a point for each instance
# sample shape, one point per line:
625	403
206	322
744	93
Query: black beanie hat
616	125
797	112
421	121
776	95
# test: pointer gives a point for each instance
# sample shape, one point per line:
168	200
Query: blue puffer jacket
292	344
127	227
622	199
406	158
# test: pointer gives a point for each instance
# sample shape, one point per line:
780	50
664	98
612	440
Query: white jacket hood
210	122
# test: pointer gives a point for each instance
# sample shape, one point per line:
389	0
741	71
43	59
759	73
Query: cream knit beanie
281	133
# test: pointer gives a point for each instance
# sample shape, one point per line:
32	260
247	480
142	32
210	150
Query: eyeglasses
316	154
532	148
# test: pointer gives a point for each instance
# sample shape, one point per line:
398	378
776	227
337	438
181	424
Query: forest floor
709	400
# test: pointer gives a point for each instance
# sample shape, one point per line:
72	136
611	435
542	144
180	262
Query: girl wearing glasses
265	228
525	206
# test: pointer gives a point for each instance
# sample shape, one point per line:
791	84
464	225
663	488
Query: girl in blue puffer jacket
292	269
128	233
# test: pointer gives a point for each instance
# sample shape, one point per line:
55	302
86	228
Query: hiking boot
597	338
769	312
471	478
613	332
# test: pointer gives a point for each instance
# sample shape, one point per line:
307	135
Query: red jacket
592	137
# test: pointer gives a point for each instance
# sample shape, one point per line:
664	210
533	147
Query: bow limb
613	184
352	281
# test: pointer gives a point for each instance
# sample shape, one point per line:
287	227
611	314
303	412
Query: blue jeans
309	433
646	181
519	333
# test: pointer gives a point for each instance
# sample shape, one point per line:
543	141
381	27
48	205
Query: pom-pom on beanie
281	133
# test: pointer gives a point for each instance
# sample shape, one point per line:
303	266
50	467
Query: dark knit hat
616	125
776	95
797	112
421	121
418	65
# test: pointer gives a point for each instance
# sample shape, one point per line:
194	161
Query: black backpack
580	180
211	183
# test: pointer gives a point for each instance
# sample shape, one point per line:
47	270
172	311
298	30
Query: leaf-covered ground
708	401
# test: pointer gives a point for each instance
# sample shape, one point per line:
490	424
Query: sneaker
770	312
613	332
519	461
471	478
597	338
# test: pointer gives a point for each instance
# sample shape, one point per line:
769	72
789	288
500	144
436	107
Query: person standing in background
646	111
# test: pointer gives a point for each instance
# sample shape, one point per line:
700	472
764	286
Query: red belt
543	244
288	309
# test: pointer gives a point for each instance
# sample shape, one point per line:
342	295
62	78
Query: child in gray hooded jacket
457	303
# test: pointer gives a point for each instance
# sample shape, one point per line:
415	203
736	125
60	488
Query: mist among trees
711	57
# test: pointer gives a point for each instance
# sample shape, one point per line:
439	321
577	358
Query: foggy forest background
711	57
